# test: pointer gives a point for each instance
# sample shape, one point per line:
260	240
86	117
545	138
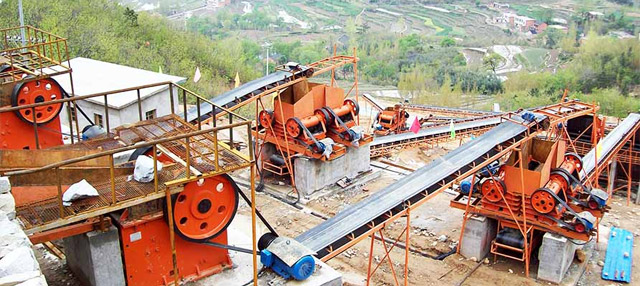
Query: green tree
492	60
447	42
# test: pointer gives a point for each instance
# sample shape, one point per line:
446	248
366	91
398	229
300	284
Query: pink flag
415	126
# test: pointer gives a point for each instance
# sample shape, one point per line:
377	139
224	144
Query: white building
92	77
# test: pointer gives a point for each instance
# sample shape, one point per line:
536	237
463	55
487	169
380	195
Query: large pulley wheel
37	91
493	189
542	201
266	118
204	209
353	105
324	114
575	158
294	128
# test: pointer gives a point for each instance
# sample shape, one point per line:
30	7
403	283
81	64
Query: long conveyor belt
617	137
386	144
243	93
356	220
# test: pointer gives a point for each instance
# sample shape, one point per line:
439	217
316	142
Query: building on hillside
215	4
621	35
499	5
93	77
558	27
539	27
524	23
593	15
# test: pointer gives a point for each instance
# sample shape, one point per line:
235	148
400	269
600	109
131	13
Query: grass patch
428	22
534	57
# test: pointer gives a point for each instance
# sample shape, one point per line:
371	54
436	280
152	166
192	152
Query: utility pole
21	23
267	45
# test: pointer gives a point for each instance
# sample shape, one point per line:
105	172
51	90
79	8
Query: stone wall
18	264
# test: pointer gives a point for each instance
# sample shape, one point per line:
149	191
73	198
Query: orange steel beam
71	230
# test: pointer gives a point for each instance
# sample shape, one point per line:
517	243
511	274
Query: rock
8	205
18	261
18	278
581	255
442	238
36	281
5	185
601	263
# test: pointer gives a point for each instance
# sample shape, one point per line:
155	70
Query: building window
97	119
72	110
151	114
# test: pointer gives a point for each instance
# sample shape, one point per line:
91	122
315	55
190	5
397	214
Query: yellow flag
598	150
237	80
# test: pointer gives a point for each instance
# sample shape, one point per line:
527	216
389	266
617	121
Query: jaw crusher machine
22	89
314	120
548	193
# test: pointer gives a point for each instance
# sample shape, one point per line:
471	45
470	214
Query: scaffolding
194	147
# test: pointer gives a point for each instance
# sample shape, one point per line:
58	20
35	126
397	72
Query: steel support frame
408	206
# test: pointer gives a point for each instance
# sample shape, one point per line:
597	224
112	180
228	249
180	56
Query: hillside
104	30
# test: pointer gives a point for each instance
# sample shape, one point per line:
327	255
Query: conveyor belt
242	93
431	131
444	109
377	105
618	136
357	219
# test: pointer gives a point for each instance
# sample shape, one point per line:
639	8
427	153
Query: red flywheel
205	208
37	91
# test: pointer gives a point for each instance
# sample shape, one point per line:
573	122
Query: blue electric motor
286	257
528	116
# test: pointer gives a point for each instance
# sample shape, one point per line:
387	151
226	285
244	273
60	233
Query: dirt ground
430	223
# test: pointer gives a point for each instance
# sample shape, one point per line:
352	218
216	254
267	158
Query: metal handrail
127	148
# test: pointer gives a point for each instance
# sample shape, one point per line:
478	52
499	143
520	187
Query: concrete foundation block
479	232
555	255
312	175
95	258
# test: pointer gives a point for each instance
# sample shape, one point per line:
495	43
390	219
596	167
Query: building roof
93	76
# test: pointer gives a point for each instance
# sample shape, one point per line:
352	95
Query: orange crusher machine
555	199
388	120
201	212
391	120
15	127
310	119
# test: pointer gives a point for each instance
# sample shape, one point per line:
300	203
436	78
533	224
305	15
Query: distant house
621	35
499	5
558	27
524	23
215	4
539	27
92	77
592	15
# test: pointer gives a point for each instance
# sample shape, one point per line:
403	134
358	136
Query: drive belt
308	133
340	123
573	179
566	206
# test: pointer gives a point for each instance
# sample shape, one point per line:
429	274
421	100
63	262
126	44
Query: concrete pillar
95	257
555	255
312	175
612	175
479	232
